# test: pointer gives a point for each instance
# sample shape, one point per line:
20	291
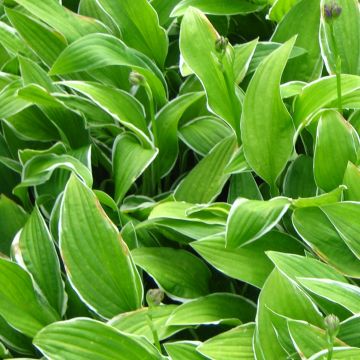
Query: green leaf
119	104
139	27
198	48
299	179
11	41
166	121
137	322
330	161
45	42
250	219
33	248
235	344
346	35
352	182
206	180
12	219
214	309
71	25
294	266
344	353
170	269
243	54
96	51
97	260
309	339
20	306
183	350
10	102
320	94
280	8
248	263
213	7
318	232
127	148
266	114
343	216
349	331
338	292
280	296
302	20
70	340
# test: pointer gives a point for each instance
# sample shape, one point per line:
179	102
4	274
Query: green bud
220	44
154	297
332	325
136	79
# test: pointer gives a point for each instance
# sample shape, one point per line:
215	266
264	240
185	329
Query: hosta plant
179	179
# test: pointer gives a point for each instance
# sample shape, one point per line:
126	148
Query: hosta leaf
299	179
342	353
11	41
19	304
248	263
137	322
206	180
170	269
227	7
71	25
349	331
243	55
284	298
319	233
167	120
117	103
344	218
302	20
70	340
10	102
45	42
214	309
139	26
352	182
12	219
334	147
320	94
309	339
266	114
127	148
243	185
203	133
280	8
250	219
198	48
14	339
294	266
346	35
235	344
184	350
338	292
97	260
39	169
33	248
95	51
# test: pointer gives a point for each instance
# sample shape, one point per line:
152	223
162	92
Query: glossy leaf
250	219
169	268
214	309
266	114
70	340
88	240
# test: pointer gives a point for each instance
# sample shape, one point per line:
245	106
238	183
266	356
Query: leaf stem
337	68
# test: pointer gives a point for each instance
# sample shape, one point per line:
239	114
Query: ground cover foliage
179	179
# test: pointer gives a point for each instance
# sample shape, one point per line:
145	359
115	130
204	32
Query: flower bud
332	324
221	44
332	11
136	79
154	297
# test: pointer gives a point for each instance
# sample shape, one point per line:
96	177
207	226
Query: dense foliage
180	179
